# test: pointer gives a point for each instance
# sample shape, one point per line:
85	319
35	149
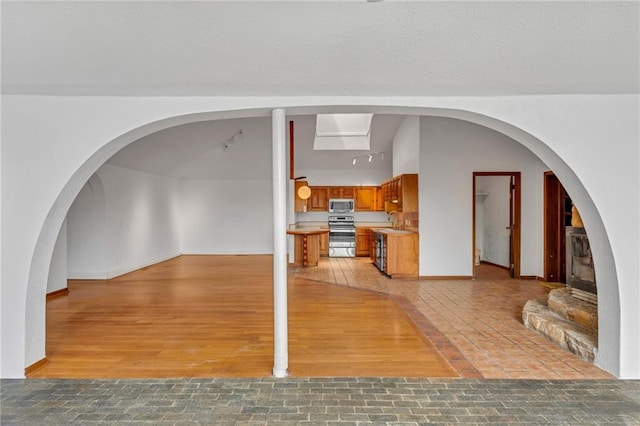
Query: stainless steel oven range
342	236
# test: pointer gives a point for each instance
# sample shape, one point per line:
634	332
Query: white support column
280	328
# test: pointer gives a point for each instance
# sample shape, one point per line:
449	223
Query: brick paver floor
349	401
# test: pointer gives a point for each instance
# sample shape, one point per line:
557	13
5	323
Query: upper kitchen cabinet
379	206
341	192
400	193
369	198
319	200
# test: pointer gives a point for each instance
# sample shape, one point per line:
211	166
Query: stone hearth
565	320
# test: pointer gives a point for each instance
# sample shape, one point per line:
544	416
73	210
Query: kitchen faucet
394	219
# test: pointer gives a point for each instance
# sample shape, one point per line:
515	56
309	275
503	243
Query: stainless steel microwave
341	205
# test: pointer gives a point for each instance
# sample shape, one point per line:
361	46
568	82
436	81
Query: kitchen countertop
325	225
308	231
390	231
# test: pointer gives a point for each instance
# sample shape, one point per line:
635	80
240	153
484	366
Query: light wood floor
487	271
211	316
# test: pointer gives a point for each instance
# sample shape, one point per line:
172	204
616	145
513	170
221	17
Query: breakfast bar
307	245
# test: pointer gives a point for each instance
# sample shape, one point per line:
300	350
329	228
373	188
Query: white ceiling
195	151
308	48
244	48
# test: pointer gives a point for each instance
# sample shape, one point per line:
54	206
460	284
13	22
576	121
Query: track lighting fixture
226	145
370	156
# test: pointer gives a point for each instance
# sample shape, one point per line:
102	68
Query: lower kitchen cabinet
363	241
324	244
399	254
373	247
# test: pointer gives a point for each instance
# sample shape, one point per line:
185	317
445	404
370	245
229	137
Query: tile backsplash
408	221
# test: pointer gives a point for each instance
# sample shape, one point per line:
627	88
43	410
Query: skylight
342	132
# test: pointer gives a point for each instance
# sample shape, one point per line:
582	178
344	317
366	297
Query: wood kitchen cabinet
363	241
402	192
369	199
324	244
319	200
341	192
400	253
373	247
365	198
379	200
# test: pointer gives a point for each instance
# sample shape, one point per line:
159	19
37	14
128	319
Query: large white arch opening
609	300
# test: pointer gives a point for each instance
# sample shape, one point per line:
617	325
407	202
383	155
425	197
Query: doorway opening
557	216
496	224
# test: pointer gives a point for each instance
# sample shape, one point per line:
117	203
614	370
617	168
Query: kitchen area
375	222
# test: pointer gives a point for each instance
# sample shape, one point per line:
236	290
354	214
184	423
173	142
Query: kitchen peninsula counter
307	231
307	245
395	251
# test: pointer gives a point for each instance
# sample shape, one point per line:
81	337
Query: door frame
515	209
554	196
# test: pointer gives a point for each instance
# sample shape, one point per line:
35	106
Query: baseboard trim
58	293
114	273
444	277
531	277
494	264
196	253
35	366
128	269
86	276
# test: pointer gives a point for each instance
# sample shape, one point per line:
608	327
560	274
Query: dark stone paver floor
354	401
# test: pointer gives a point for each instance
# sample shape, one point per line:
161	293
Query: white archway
609	302
87	233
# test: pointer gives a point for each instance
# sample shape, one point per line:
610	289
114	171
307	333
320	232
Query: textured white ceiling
195	151
319	48
262	48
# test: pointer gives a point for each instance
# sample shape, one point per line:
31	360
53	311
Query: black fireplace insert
581	274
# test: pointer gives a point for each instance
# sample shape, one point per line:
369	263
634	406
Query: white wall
58	271
141	218
577	136
226	216
353	177
494	218
406	146
87	233
450	151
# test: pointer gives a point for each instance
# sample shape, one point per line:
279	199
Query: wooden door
557	215
514	220
514	243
